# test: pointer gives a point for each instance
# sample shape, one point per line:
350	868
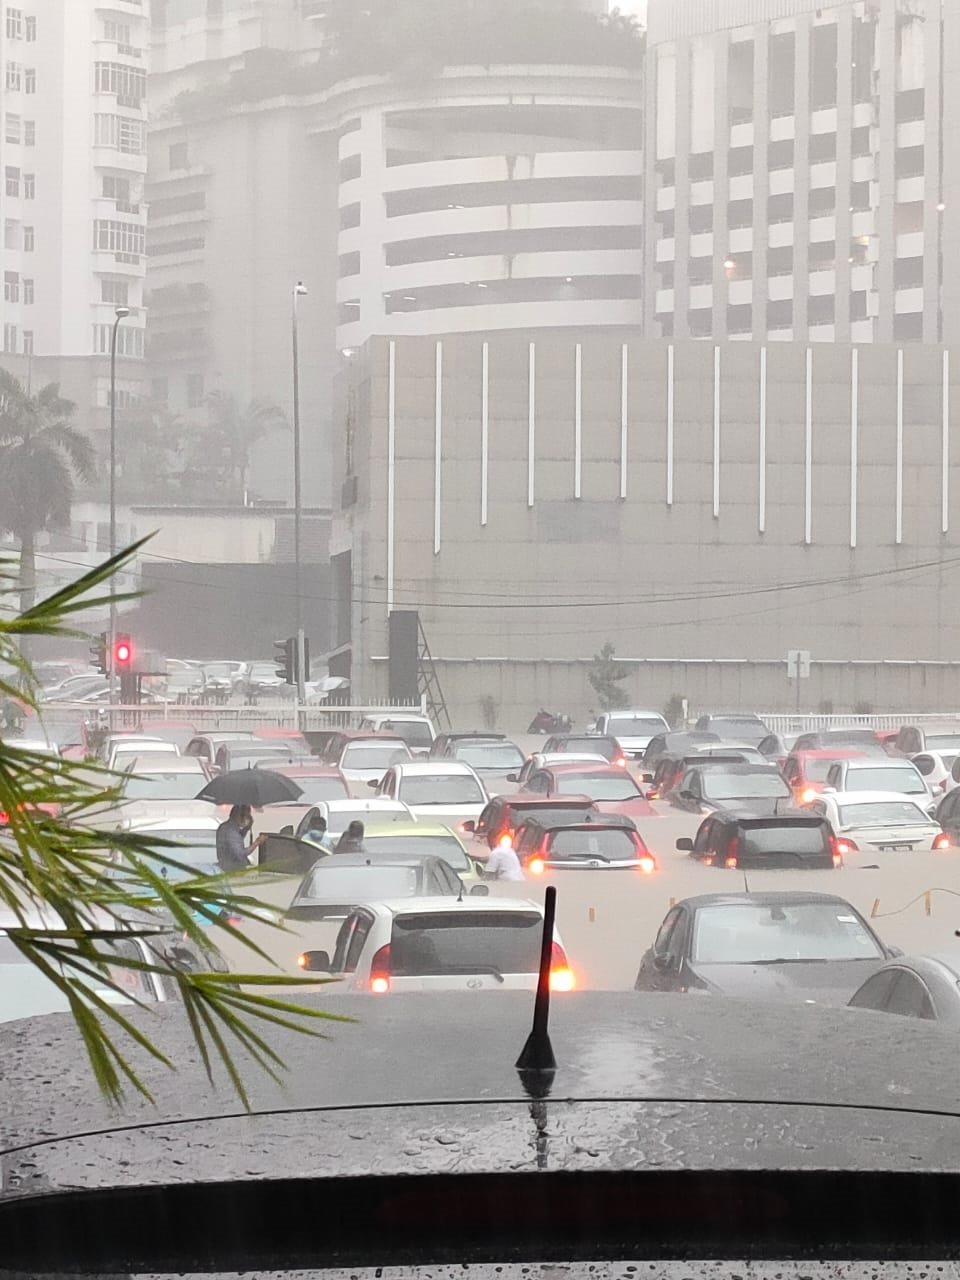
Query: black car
788	841
671	768
586	744
444	745
864	740
681	741
759	788
925	987
792	947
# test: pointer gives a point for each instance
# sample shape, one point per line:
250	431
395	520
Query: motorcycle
547	722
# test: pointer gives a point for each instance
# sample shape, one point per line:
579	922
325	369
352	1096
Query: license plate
896	848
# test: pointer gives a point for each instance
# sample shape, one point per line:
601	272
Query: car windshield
598	786
476	942
590	746
359	884
942	742
815	768
884	779
882	813
491	755
440	789
785	837
163	786
373	755
717	785
634	726
448	848
610	845
415	733
319	788
763	934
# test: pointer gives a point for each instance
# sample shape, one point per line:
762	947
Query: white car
123	750
373	811
366	760
632	729
444	791
418	944
417	731
870	773
160	775
874	822
937	768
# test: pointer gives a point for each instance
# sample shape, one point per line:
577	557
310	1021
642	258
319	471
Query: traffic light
286	659
98	653
122	654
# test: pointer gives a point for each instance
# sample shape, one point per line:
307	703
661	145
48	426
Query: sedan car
540	759
336	884
493	762
316	781
594	744
757	788
604	843
915	987
735	726
878	822
789	841
789	947
671	769
445	791
900	776
611	788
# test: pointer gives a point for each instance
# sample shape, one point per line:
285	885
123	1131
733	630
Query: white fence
781	722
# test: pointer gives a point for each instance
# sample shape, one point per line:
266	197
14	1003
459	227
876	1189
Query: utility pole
120	313
299	291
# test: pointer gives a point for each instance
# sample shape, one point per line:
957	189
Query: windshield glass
748	934
609	845
786	837
634	726
717	785
163	786
373	755
885	779
598	786
475	942
493	755
815	769
360	884
440	789
415	733
448	848
881	813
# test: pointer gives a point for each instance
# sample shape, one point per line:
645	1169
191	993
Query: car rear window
591	746
609	845
490	755
549	815
742	786
629	726
787	837
415	733
780	933
440	789
882	813
448	848
359	884
884	779
316	789
461	942
615	785
374	755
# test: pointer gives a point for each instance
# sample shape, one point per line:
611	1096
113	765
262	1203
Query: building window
129	340
28	342
128	83
115	188
780	154
118	237
823	67
123	133
820	309
194	390
907	273
29	133
11	286
349	264
858	304
179	156
30	29
908	327
29	239
740	318
739	161
822	200
780	207
30	80
700	218
700	270
665	223
780	314
118	31
160	389
11	176
700	166
14	77
908	162
822	255
780	260
14	24
700	321
740	214
349	216
28	291
29	186
10	338
116	292
12	127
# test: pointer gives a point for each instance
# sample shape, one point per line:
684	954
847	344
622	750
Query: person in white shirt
503	864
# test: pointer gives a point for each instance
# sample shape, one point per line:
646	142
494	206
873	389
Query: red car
806	771
612	789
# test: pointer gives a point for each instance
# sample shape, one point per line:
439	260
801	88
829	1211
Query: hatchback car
594	744
445	791
671	768
334	885
631	729
901	776
865	740
364	757
604	843
541	759
419	944
938	769
444	746
806	771
504	815
777	746
787	842
878	822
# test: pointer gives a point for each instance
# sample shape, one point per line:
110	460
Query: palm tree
41	454
223	447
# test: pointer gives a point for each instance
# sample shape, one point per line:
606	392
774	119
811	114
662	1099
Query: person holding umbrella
233	852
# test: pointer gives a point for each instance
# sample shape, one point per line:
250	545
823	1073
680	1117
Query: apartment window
29	186
907	273
739	161
742	268
859	196
780	75
908	327
11	179
666	172
349	216
116	292
14	24
29	133
822	200
115	188
28	342
864	52
859	253
740	81
908	217
128	83
700	166
349	264
820	309
780	154
740	213
780	207
29	239
11	286
11	234
350	167
27	291
822	256
700	218
664	275
12	127
179	156
910	105
118	237
823	146
129	340
30	80
123	133
121	32
14	77
194	390
10	338
30	29
666	326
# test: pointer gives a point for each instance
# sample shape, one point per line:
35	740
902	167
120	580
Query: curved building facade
506	197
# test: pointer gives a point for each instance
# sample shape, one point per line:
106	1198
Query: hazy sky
638	7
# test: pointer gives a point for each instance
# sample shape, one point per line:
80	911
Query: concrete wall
699	524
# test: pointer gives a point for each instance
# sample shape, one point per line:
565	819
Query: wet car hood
831	983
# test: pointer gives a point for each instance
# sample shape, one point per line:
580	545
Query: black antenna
460	894
746	882
536	1057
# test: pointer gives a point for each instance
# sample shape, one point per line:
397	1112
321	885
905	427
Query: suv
417	731
913	738
607	843
901	776
788	840
415	944
671	768
632	729
737	726
505	814
593	744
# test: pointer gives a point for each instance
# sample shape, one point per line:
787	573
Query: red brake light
733	851
647	864
942	841
844	846
536	867
4	817
380	971
505	841
621	761
561	975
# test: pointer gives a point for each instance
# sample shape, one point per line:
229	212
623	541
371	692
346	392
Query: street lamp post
299	291
120	313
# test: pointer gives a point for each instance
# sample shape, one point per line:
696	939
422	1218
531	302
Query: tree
52	859
606	677
40	456
150	439
218	453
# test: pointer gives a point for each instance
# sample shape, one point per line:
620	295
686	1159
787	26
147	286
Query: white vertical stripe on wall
762	479
670	425
532	425
808	453
484	431
945	448
898	534
391	466
716	431
437	448
578	420
624	413
854	440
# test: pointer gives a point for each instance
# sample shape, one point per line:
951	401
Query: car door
651	976
704	837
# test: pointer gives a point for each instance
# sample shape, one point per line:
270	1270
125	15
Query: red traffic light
122	652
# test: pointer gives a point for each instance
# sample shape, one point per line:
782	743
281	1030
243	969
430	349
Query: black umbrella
256	787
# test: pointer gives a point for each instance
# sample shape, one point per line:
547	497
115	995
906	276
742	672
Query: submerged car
745	842
879	822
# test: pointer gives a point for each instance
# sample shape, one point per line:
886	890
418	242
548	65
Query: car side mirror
687	795
646	777
315	961
374	783
469	826
685	844
663	961
479	891
513	777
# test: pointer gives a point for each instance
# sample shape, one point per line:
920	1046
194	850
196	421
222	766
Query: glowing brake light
621	761
536	866
733	849
942	841
505	842
561	975
647	864
843	847
380	971
837	859
808	794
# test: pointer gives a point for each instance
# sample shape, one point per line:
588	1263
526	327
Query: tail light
561	975
4	817
708	861
234	921
731	861
837	858
621	761
380	971
808	794
536	866
506	834
942	841
653	794
647	864
505	841
843	846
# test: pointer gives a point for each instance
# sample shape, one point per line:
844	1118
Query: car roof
771	898
358	860
469	733
604	821
443	906
534	799
634	711
167	762
227	735
838	752
545	758
747	818
747	767
587	766
431	768
369	804
399	717
373	735
878	762
868	797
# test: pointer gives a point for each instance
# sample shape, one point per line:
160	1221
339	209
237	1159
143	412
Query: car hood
831	983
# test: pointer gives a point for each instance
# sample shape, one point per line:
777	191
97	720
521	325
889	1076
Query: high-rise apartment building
797	169
73	86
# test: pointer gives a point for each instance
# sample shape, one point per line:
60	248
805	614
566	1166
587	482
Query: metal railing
785	722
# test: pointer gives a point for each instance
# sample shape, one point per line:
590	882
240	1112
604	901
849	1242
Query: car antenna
460	894
537	1064
746	882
